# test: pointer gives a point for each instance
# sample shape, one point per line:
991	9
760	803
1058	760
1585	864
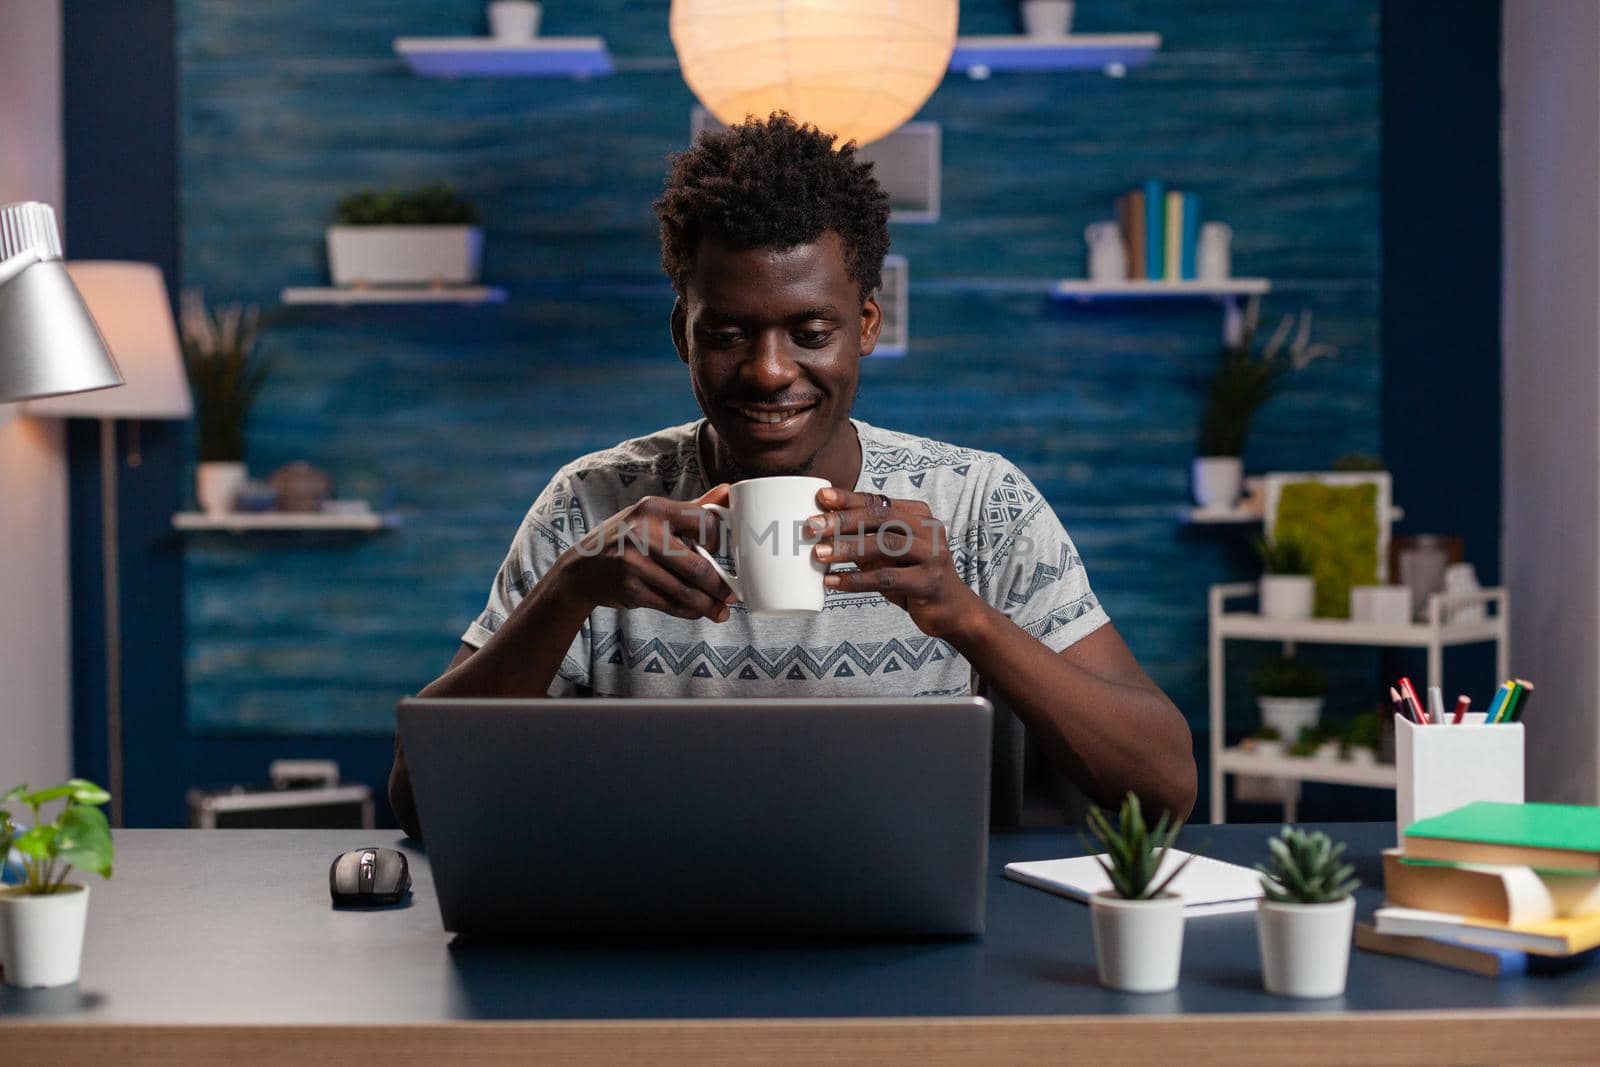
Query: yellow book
1172	254
1552	937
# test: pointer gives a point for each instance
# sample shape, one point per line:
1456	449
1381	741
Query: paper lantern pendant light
854	68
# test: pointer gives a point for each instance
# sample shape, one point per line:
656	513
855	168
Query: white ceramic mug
777	574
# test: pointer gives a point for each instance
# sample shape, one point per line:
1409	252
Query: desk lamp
129	303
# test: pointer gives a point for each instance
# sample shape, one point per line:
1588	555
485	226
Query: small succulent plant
1283	555
1134	852
1306	869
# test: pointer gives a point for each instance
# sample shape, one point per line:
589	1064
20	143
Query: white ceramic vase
1287	596
41	937
404	255
1290	714
1305	948
1267	749
1138	944
1362	756
216	485
1047	18
514	20
1216	481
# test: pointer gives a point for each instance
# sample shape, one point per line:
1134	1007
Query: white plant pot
216	485
1138	944
1388	605
404	255
1047	18
1290	715
41	937
1287	596
1266	749
514	20
1363	756
1216	481
1328	751
1305	948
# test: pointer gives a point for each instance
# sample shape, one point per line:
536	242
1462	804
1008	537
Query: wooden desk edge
1401	1038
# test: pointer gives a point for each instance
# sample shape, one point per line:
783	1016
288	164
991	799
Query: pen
1436	704
1498	703
1519	700
1409	691
1463	702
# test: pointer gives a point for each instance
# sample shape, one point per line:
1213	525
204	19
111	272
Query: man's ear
871	324
679	325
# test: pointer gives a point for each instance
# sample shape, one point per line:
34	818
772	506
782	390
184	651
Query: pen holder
1439	768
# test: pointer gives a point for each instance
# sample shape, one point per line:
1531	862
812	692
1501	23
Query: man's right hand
642	557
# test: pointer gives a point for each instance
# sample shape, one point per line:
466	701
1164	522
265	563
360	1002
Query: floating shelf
284	521
422	294
1082	289
1307	768
1113	53
487	57
1242	516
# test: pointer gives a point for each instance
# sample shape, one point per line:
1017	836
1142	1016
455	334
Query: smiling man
949	568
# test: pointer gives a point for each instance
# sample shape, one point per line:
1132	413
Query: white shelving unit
1228	293
284	521
1434	635
487	57
1113	53
1243	516
421	294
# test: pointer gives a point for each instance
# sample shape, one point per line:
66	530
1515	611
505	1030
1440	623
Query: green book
1550	836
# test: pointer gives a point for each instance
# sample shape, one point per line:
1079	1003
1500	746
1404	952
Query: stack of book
1162	229
1494	889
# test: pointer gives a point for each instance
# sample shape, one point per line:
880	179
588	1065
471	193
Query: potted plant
42	920
1361	739
1289	694
1287	588
1305	746
426	237
1267	741
1138	925
1304	921
1244	382
514	20
1047	18
225	376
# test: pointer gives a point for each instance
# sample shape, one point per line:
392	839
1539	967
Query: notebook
1553	937
1208	886
1543	836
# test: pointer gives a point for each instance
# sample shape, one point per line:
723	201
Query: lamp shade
129	303
854	68
48	342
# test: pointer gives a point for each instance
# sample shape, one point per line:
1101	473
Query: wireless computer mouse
369	878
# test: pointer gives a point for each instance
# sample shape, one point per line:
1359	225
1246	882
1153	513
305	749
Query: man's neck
839	461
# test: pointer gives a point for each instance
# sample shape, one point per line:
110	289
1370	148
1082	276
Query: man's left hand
903	553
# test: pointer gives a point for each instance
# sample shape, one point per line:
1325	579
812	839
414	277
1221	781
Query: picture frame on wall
1343	518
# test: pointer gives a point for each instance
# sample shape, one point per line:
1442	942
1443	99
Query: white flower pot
1138	944
1328	750
1266	749
404	255
1305	948
1216	481
1287	596
41	937
216	484
1290	715
1362	756
1047	18
514	20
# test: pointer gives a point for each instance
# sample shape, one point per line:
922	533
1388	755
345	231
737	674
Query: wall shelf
1114	53
1085	290
284	521
1243	516
487	57
422	294
1308	769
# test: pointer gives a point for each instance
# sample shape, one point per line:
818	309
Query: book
1553	937
1191	236
1172	238
1490	962
1130	215
1155	206
1554	837
1504	894
1207	886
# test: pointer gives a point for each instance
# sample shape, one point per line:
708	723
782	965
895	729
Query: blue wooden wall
1269	110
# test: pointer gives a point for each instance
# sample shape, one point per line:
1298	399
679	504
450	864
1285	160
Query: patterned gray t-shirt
1007	544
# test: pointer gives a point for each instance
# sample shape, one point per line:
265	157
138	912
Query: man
948	566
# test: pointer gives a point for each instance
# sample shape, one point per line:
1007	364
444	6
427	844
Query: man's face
773	341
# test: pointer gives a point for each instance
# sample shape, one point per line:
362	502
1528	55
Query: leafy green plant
1268	733
1245	381
1339	525
1289	677
1134	852
78	837
431	205
1283	555
224	373
1305	745
1306	869
1363	731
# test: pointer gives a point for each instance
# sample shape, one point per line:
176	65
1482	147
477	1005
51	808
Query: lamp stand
111	588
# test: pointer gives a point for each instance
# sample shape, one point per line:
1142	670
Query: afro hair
773	183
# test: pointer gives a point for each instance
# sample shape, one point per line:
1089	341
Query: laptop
781	816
